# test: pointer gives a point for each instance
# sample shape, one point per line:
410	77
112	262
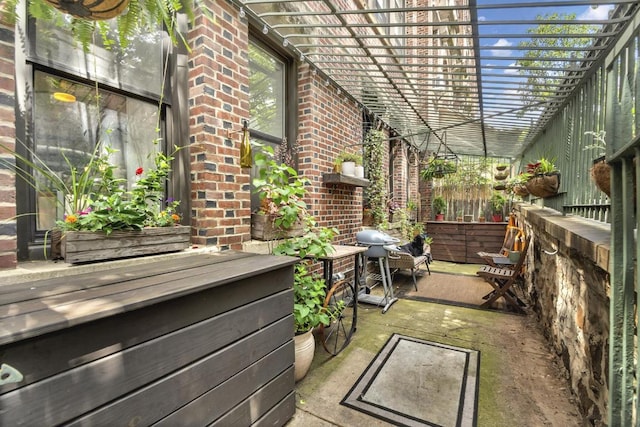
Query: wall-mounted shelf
338	178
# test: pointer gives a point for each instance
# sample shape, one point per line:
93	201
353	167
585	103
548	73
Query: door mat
412	382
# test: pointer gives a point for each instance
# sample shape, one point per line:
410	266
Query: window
267	100
75	100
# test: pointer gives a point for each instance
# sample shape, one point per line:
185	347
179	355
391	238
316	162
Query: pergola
462	77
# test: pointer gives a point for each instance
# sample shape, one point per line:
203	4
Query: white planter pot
349	168
359	171
305	347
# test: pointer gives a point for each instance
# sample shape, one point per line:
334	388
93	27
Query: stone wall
568	286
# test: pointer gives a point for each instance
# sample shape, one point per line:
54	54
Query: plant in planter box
517	185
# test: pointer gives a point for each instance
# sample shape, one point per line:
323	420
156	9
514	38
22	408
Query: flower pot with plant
348	162
437	168
439	207
497	204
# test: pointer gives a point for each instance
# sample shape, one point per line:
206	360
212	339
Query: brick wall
8	232
218	100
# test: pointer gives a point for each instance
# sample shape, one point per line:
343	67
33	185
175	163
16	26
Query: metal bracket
9	374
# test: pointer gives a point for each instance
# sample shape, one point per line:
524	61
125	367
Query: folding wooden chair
512	239
502	279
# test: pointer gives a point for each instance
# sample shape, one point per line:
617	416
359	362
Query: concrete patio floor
521	383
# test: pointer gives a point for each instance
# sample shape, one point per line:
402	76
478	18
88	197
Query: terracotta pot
305	347
91	9
497	217
439	217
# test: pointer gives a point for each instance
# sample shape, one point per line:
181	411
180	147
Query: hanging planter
544	185
501	167
501	176
499	187
95	10
601	175
520	190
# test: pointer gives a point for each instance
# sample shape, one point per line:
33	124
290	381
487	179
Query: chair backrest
523	254
511	237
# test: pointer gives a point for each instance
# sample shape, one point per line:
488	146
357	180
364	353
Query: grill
376	240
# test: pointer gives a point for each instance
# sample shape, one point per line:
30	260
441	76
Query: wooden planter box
88	246
262	228
461	241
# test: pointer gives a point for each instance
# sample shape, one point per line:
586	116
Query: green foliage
308	302
139	17
439	205
94	199
376	192
542	166
437	168
540	61
497	201
599	142
280	188
349	157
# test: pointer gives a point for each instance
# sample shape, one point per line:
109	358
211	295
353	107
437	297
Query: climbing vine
376	192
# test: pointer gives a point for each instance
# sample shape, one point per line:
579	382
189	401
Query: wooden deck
158	342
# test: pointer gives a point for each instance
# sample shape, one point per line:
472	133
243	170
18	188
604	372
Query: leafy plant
439	205
376	192
349	157
497	201
94	199
437	168
599	144
542	166
139	18
280	188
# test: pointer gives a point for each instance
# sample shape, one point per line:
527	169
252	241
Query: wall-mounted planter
262	228
95	10
544	185
601	175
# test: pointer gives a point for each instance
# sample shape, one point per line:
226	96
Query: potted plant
460	215
517	185
497	204
439	207
348	162
501	166
309	290
437	168
545	178
282	211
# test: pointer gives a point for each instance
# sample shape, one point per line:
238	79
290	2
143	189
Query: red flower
139	171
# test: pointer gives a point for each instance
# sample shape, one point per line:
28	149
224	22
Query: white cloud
501	52
600	12
511	70
482	18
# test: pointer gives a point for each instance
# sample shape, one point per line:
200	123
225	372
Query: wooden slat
225	397
108	274
97	383
262	405
91	341
279	414
91	304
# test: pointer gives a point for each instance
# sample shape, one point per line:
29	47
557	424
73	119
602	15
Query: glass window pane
266	92
66	133
138	67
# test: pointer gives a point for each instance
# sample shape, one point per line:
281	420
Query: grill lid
374	237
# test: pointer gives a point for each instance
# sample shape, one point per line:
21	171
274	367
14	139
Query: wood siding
202	339
461	241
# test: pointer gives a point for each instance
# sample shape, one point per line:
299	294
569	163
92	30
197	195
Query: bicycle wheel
340	301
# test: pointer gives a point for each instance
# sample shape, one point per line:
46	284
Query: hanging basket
520	190
501	167
95	10
501	176
499	187
601	174
544	185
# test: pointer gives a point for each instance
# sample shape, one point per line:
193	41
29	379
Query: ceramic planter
305	347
